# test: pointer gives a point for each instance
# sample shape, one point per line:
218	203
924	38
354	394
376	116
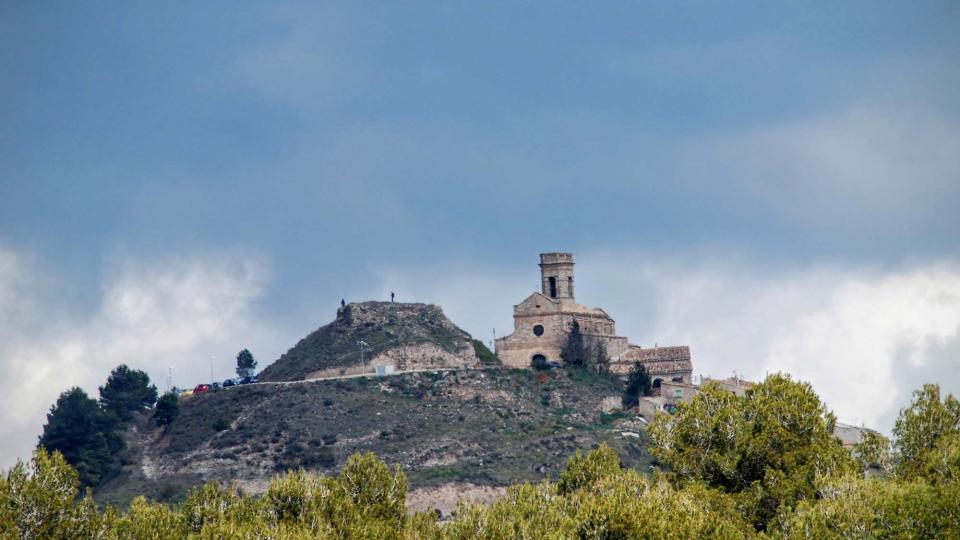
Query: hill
407	336
451	417
469	428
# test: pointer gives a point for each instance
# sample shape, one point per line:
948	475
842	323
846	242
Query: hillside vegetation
758	466
486	427
382	327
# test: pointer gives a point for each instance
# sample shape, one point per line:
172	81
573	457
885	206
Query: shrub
167	409
539	363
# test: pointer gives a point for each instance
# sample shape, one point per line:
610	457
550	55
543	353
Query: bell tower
556	274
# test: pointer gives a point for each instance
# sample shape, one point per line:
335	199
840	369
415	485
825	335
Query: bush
167	409
485	355
221	424
329	439
539	363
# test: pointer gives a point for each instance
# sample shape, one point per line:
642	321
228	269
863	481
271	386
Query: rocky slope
469	430
407	336
456	423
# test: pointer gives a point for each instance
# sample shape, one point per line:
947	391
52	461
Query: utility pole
211	368
169	378
362	344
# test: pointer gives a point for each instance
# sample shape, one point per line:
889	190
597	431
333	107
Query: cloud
864	337
869	168
152	315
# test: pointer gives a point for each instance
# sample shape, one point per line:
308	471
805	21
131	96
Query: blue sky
182	181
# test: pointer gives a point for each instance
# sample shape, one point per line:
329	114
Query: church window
553	287
570	286
538	330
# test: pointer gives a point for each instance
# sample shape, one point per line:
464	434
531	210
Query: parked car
554	364
229	382
214	386
200	388
249	380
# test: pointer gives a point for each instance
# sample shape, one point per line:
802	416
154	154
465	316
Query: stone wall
425	356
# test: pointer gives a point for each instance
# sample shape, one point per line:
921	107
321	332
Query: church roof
538	298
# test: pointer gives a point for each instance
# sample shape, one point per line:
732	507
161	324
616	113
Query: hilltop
406	336
452	417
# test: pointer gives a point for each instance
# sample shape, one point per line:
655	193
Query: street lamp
362	344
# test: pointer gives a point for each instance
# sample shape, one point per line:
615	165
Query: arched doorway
539	362
656	383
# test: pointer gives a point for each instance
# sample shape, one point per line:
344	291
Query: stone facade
542	322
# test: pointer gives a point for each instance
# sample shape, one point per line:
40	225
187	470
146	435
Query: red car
201	388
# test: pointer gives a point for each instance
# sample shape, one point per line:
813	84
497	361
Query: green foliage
852	507
638	384
873	452
756	466
599	360
127	390
585	470
167	409
246	364
484	354
769	447
221	424
920	428
37	499
369	483
84	434
581	352
575	352
540	363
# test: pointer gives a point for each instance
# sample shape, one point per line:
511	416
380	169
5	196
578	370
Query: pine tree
86	435
575	352
599	359
127	390
246	364
638	384
167	409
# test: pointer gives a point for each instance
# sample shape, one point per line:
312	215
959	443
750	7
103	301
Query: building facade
542	323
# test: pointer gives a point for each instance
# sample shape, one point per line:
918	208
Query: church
542	322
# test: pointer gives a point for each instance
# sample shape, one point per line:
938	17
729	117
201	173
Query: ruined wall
425	356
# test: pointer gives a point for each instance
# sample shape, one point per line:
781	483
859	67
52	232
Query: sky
775	185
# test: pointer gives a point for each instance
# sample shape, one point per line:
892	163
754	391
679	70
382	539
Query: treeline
763	465
88	432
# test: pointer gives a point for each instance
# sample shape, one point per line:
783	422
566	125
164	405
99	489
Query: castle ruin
542	322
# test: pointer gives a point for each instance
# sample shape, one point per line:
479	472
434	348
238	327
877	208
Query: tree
873	451
599	360
86	436
638	384
770	447
583	470
575	352
920	428
246	364
37	500
584	352
167	409
127	390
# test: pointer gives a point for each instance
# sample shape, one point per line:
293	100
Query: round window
538	330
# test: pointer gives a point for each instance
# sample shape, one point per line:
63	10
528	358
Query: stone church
542	322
